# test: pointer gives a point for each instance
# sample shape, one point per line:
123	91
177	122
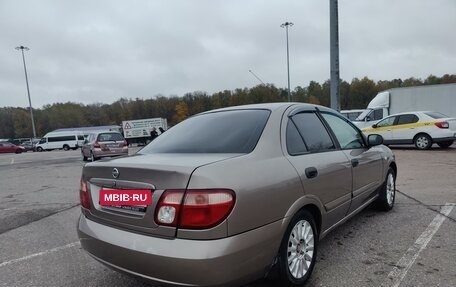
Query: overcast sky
99	51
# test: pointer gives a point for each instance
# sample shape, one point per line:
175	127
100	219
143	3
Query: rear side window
313	132
110	137
407	119
236	131
436	115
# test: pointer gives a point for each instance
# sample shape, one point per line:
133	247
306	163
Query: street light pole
22	48
286	25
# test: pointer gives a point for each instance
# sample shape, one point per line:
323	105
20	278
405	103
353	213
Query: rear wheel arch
307	202
394	167
316	214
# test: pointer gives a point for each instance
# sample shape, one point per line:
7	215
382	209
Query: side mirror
375	126
374	140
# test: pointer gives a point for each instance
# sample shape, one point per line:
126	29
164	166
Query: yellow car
419	128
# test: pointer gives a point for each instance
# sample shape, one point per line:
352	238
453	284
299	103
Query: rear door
325	172
405	128
366	163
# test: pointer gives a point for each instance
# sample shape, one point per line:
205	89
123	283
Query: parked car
234	191
419	128
30	145
7	147
102	144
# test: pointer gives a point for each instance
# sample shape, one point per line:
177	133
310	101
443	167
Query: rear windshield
220	132
110	137
436	115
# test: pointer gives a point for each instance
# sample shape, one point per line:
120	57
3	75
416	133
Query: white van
60	140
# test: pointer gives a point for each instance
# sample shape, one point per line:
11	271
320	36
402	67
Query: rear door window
407	119
295	143
314	133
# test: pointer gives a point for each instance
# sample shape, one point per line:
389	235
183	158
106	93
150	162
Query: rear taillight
200	209
84	194
96	145
442	125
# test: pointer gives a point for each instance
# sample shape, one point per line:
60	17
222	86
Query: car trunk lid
153	172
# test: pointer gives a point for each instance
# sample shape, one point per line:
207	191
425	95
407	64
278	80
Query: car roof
273	106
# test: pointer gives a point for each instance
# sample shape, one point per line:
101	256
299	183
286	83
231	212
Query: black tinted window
235	131
407	119
313	131
61	138
295	144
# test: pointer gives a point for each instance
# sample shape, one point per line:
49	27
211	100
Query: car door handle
311	172
354	162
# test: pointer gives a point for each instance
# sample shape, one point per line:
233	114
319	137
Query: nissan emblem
115	173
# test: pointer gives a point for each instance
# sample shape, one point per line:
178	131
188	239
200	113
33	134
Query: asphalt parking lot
413	245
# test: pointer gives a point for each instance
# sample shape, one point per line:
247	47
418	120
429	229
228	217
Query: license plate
125	197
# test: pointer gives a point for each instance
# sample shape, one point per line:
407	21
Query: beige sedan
226	195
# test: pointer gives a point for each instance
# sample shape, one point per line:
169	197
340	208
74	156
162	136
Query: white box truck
437	98
138	131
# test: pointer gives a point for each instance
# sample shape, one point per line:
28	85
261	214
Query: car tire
446	144
422	141
40	149
387	194
92	157
298	250
66	148
84	158
18	151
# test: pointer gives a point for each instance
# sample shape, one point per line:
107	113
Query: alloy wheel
300	249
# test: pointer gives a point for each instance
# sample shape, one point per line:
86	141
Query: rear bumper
222	262
100	153
444	139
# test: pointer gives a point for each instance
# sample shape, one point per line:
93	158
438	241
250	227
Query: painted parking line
6	263
403	265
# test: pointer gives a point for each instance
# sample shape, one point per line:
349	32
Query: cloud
99	51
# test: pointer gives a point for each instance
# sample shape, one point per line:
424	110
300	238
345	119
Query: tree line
15	121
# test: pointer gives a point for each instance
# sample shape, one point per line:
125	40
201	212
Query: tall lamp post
22	48
286	25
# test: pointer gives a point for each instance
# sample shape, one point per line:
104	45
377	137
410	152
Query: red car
7	147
